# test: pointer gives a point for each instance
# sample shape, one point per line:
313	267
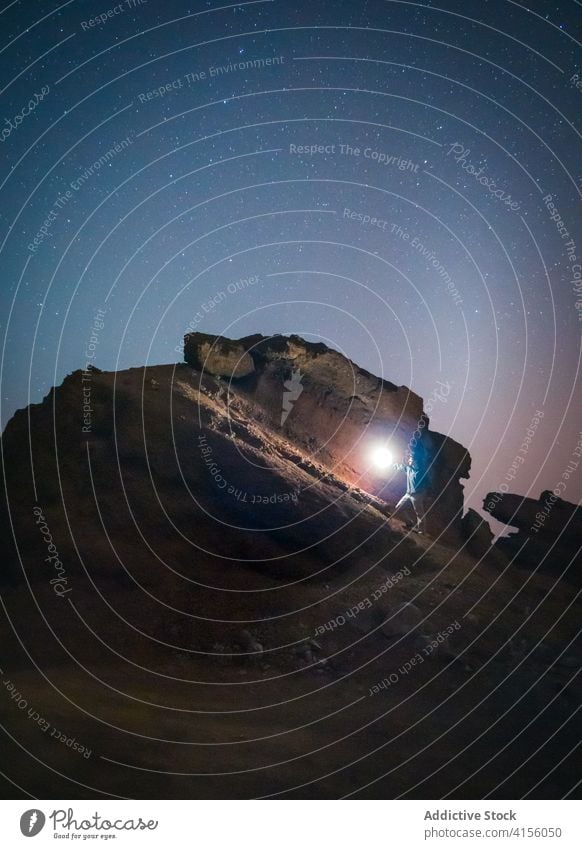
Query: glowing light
381	457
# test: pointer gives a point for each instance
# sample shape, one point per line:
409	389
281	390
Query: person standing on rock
416	496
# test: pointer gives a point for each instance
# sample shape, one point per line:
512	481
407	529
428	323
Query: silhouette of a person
415	496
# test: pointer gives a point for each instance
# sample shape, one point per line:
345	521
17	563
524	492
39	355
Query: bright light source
381	457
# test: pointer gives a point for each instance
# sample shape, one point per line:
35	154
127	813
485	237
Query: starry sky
396	179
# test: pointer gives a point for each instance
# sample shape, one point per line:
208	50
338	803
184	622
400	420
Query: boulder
218	356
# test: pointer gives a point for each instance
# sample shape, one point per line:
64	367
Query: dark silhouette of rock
548	515
549	531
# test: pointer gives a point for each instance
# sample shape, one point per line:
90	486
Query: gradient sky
203	186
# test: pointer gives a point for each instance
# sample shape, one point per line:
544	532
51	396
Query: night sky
395	179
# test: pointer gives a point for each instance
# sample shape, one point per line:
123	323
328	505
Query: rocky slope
200	591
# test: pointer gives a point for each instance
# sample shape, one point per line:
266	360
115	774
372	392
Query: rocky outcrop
337	413
547	516
174	536
549	529
217	356
271	467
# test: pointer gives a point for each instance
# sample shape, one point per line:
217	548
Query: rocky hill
201	589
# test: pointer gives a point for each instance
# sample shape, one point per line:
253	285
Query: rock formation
335	411
217	356
549	529
547	516
172	532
